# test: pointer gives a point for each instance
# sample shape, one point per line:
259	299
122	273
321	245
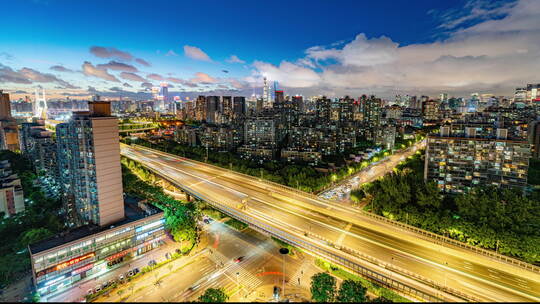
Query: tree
381	300
351	291
213	295
323	287
34	235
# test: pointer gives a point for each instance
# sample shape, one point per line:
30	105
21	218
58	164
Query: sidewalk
78	292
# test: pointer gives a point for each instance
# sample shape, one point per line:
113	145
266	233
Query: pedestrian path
236	272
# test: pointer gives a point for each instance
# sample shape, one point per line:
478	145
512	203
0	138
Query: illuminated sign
74	261
82	269
118	255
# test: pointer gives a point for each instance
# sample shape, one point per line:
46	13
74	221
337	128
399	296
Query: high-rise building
267	99
430	110
458	159
40	105
212	108
279	97
38	146
90	178
11	193
239	107
299	103
371	108
9	132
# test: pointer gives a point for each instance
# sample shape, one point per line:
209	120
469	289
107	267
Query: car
239	259
121	277
98	289
130	273
90	291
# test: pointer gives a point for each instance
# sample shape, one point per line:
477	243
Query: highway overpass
405	260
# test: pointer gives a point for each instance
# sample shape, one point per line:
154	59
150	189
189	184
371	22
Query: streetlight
284	251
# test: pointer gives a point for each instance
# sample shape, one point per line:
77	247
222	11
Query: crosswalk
236	272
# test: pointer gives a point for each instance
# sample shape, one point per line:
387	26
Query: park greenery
505	220
180	217
298	176
214	295
323	287
351	291
383	294
40	219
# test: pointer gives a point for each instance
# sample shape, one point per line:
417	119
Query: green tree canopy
323	287
213	295
352	292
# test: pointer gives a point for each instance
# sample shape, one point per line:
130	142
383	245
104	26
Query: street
214	266
330	224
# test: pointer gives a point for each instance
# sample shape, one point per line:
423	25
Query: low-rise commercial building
64	260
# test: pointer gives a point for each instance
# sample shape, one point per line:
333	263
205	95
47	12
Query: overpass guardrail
427	235
327	254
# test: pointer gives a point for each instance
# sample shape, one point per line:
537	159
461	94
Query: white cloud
288	74
235	59
201	77
492	56
89	70
171	53
196	53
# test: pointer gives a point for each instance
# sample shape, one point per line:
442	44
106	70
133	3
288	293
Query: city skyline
397	48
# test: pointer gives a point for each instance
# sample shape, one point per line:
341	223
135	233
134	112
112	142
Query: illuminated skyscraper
88	157
40	106
267	99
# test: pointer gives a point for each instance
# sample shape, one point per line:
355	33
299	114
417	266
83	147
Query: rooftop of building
132	213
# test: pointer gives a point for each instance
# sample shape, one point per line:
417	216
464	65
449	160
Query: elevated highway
402	259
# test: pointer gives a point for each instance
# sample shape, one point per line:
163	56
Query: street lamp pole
283	252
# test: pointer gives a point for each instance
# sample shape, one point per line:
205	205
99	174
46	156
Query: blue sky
310	47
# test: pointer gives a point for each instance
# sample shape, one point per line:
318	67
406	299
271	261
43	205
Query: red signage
74	261
65	264
82	269
118	255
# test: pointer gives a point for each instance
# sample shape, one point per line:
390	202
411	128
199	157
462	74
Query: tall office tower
371	109
298	102
9	132
88	158
259	105
200	108
40	105
212	108
239	107
226	106
267	99
279	96
164	96
460	158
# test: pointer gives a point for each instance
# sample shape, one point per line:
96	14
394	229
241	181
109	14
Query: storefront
59	267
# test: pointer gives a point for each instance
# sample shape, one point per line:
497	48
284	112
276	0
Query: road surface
482	277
